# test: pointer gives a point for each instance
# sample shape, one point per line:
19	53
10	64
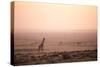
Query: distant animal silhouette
41	46
78	43
60	42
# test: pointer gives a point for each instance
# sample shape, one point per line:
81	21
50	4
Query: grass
54	57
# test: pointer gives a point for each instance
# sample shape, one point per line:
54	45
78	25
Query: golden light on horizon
46	17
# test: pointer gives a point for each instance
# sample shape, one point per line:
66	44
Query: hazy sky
46	17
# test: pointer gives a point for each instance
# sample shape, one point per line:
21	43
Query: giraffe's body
41	46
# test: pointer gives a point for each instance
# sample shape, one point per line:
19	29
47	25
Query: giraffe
41	46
